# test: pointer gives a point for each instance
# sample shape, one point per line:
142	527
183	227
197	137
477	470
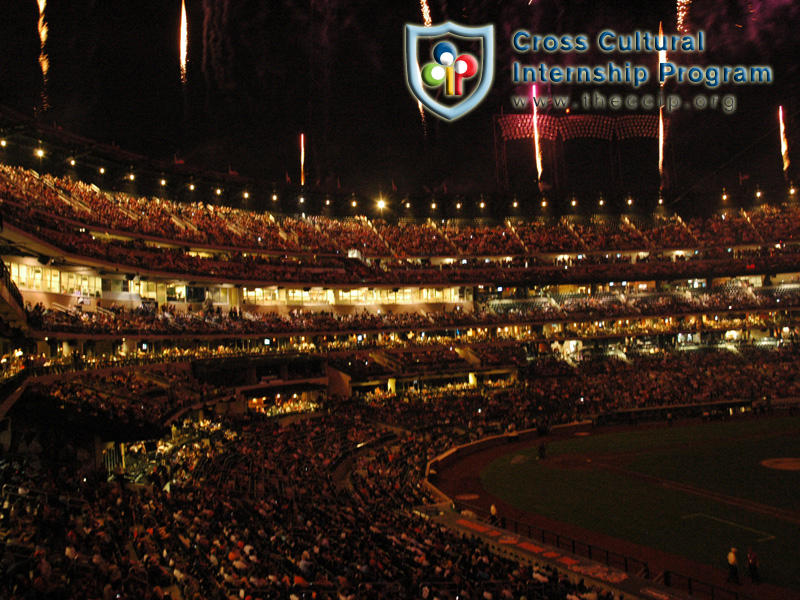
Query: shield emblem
414	77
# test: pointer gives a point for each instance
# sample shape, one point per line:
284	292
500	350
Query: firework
683	14
784	142
44	61
426	20
661	145
537	149
662	58
426	13
302	159
184	40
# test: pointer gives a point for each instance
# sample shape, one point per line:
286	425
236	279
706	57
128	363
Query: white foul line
765	539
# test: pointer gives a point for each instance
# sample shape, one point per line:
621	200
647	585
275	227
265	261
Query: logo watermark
449	69
594	101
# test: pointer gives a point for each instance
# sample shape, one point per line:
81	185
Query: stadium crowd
261	510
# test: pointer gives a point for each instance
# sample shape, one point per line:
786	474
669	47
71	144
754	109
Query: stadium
572	374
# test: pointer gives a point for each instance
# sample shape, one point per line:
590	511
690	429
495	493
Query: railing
10	285
700	589
630	565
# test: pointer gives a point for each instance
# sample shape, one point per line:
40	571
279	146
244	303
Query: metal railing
630	565
700	589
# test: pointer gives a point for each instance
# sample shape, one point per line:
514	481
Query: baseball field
692	491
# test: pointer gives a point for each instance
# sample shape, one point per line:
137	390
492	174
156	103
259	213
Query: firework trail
217	46
426	13
302	159
426	19
184	41
784	143
662	58
683	14
44	61
537	149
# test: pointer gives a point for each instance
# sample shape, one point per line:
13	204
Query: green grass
721	457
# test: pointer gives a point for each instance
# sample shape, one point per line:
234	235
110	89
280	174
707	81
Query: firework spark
302	159
44	61
184	40
537	149
683	14
784	142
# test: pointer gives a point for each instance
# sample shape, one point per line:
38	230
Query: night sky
260	73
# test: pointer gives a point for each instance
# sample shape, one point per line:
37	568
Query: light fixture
191	186
483	205
219	192
602	202
574	203
544	203
302	200
516	204
458	206
40	153
354	203
246	195
163	182
102	170
274	197
408	204
72	162
3	143
433	205
131	176
381	204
